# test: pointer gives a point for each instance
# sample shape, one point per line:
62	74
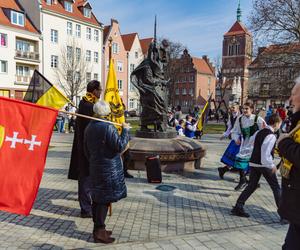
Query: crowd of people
98	149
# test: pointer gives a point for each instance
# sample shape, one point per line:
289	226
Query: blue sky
198	24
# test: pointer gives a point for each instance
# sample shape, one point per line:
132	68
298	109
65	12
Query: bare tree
175	48
276	21
71	73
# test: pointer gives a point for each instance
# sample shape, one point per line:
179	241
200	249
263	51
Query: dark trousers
84	194
99	215
255	174
292	239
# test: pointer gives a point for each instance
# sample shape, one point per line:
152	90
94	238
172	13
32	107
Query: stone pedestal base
175	153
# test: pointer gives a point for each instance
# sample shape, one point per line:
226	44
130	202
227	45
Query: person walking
289	149
103	146
228	157
245	127
261	163
79	167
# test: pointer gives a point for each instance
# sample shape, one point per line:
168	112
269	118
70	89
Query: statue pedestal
170	133
175	153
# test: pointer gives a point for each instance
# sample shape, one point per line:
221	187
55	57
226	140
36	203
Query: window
120	66
5	93
87	12
96	35
77	77
22	46
191	92
78	54
88	56
48	2
131	103
131	87
3	40
115	48
120	84
54	61
184	91
54	36
136	54
88	33
96	76
69	52
68	6
96	57
3	66
88	77
78	30
69	28
69	76
132	67
17	18
22	70
177	91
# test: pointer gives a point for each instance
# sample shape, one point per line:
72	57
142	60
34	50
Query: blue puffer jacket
103	145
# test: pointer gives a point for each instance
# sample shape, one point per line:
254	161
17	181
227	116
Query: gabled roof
145	44
202	66
237	29
128	40
106	31
76	14
275	49
5	20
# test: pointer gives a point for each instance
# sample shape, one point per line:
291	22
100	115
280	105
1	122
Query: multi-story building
69	30
272	74
112	37
236	57
20	50
134	56
192	81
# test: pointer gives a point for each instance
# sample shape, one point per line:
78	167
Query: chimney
205	58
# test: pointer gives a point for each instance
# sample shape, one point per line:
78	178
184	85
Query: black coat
290	201
103	146
79	164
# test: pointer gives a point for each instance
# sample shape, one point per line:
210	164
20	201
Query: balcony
23	80
27	55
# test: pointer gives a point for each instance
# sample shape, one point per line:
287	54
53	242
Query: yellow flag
201	117
112	96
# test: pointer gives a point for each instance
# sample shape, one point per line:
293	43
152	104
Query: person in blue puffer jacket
103	147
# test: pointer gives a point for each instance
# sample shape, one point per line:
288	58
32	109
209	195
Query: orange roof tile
201	66
237	29
128	40
106	32
76	14
5	20
145	44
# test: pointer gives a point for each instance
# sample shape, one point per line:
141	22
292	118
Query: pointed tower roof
239	12
128	40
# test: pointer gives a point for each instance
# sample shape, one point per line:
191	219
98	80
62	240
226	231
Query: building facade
112	37
236	57
71	34
192	82
272	74
145	43
135	56
20	50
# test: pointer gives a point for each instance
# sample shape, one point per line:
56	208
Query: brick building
236	57
192	81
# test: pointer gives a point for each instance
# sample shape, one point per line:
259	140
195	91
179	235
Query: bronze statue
149	79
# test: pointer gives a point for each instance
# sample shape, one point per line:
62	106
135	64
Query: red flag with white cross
25	132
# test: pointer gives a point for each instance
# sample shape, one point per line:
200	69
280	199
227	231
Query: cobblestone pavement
195	215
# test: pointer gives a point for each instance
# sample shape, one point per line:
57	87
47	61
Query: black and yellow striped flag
42	92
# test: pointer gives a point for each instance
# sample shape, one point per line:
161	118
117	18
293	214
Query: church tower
236	57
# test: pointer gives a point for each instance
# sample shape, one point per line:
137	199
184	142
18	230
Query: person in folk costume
228	157
180	128
245	126
79	167
103	147
190	127
261	163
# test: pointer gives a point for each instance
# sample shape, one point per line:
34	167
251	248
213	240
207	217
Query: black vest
259	139
232	120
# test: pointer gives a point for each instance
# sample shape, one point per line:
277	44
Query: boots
238	210
102	236
222	171
243	181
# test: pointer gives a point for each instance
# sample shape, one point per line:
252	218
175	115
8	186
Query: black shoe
242	184
85	215
221	172
127	175
239	211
